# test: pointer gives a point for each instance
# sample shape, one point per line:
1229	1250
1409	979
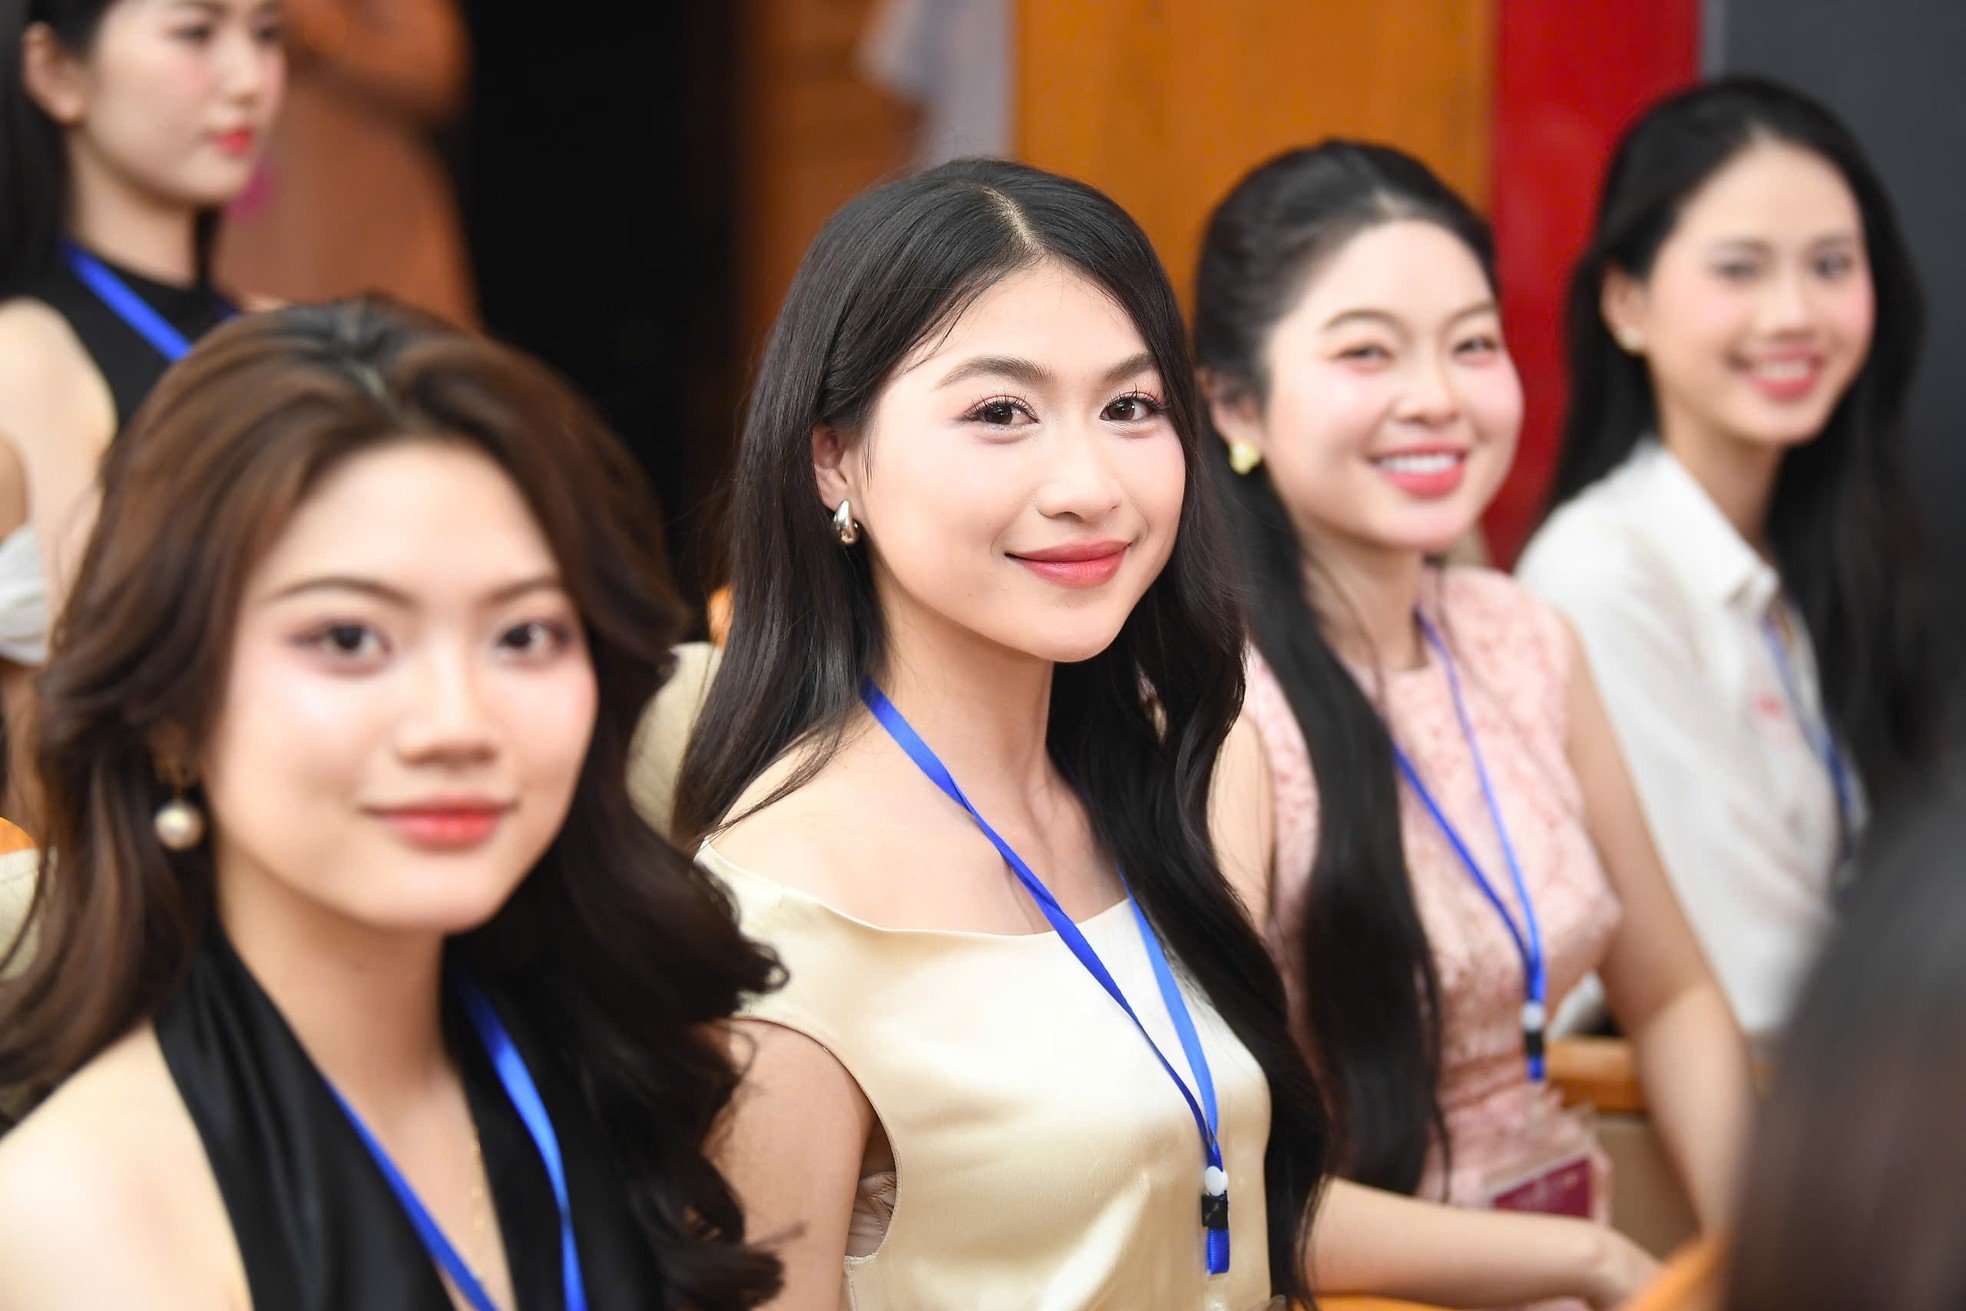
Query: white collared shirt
1673	606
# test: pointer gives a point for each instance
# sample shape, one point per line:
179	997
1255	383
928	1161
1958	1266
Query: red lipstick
443	823
238	142
1076	564
1425	473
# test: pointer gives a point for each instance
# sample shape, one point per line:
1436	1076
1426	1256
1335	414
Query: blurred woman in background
125	125
1731	529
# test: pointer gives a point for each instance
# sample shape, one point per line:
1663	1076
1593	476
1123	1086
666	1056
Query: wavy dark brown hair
615	944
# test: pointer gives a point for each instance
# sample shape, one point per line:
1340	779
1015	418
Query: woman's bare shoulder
857	835
106	1198
50	387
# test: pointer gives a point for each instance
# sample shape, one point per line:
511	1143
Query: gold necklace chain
481	1211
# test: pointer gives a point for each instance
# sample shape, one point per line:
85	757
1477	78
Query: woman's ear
1622	304
1233	409
829	466
52	75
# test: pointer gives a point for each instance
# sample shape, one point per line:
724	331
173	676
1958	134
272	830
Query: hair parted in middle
1137	727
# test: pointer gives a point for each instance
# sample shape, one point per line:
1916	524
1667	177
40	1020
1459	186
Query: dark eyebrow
402	600
1034	375
1387	320
1749	245
1365	316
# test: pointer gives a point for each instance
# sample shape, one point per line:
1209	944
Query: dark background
597	177
1895	70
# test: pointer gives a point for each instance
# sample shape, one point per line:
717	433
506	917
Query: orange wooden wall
813	133
1163	104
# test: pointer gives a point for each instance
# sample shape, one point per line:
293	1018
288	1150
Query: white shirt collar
1699	542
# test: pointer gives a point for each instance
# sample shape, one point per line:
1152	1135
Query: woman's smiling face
1019	480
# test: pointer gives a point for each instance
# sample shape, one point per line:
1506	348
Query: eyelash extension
1157	403
1023	407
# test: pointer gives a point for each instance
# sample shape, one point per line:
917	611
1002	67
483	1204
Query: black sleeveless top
130	364
316	1223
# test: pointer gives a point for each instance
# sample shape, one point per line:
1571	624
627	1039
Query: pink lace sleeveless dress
1512	656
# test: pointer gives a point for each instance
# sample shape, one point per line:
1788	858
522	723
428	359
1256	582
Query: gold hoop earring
1244	456
843	525
180	825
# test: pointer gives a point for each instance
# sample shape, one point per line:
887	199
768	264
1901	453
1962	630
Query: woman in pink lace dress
1454	843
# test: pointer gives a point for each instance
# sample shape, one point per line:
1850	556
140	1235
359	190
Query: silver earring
180	825
843	524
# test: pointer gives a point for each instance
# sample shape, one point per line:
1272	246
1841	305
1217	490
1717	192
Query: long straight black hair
1843	521
1138	726
34	171
1372	996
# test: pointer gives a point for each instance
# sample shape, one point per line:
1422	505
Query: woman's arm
1692	1059
1369	1241
57	416
1242	818
792	1146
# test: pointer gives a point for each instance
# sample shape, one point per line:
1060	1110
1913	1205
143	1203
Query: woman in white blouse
1733	532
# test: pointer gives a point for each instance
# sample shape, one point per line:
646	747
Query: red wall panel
1571	75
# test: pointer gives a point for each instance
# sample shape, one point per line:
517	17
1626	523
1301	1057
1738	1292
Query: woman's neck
128	225
365	1004
985	708
1366	597
1737	476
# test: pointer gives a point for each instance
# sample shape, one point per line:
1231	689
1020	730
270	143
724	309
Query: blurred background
635	192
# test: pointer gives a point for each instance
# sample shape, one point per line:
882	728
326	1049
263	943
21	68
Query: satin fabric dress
1044	1160
316	1223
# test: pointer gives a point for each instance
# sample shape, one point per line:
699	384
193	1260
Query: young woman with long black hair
359	983
1732	531
124	126
970	557
1440	832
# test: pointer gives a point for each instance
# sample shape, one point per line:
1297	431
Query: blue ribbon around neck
519	1086
124	302
1820	736
1215	1186
1528	935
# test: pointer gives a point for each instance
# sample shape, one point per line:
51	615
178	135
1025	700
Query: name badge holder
519	1086
1206	1112
1528	935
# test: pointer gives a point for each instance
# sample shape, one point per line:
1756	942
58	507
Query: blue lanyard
133	309
1215	1181
1821	739
1527	936
519	1086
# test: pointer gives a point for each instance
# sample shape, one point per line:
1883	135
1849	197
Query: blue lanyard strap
1215	1186
1528	935
1820	736
519	1086
126	304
